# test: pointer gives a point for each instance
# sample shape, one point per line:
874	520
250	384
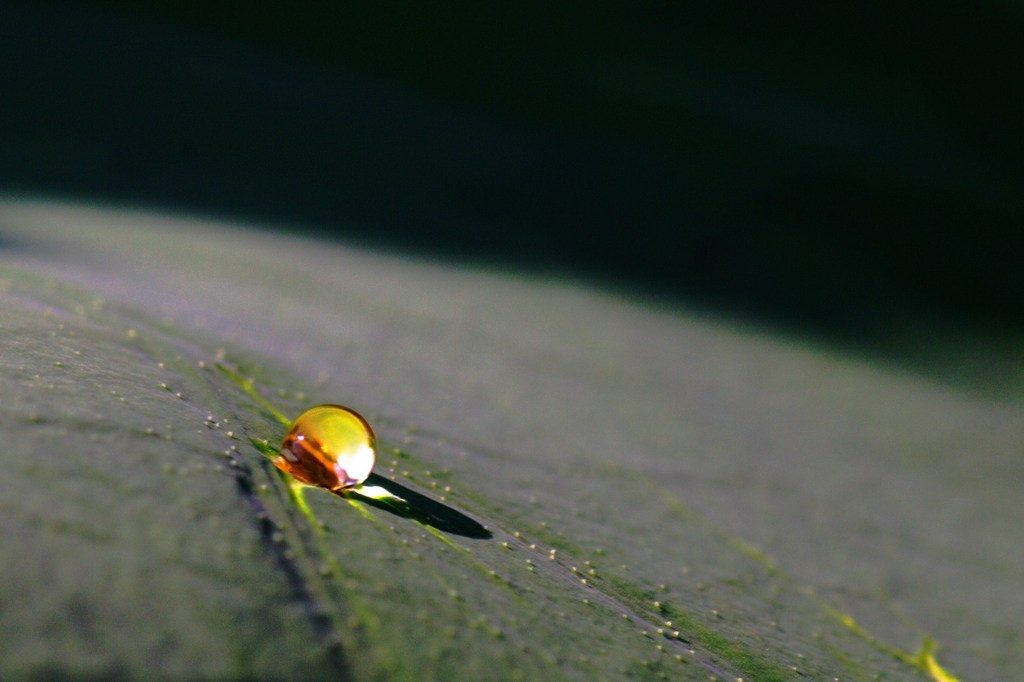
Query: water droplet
330	446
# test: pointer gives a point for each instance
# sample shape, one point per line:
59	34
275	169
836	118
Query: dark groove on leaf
323	628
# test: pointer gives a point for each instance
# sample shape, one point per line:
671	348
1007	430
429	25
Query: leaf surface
663	495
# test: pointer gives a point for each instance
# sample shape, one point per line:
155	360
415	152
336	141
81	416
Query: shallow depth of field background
846	173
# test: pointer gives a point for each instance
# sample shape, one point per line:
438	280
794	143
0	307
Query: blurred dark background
849	171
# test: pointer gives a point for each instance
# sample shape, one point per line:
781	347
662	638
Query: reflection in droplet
330	446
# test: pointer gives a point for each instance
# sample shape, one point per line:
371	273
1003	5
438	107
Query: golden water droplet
330	446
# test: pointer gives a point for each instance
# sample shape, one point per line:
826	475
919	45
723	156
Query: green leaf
570	485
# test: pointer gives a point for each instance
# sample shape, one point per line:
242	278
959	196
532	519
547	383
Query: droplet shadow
406	503
423	509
